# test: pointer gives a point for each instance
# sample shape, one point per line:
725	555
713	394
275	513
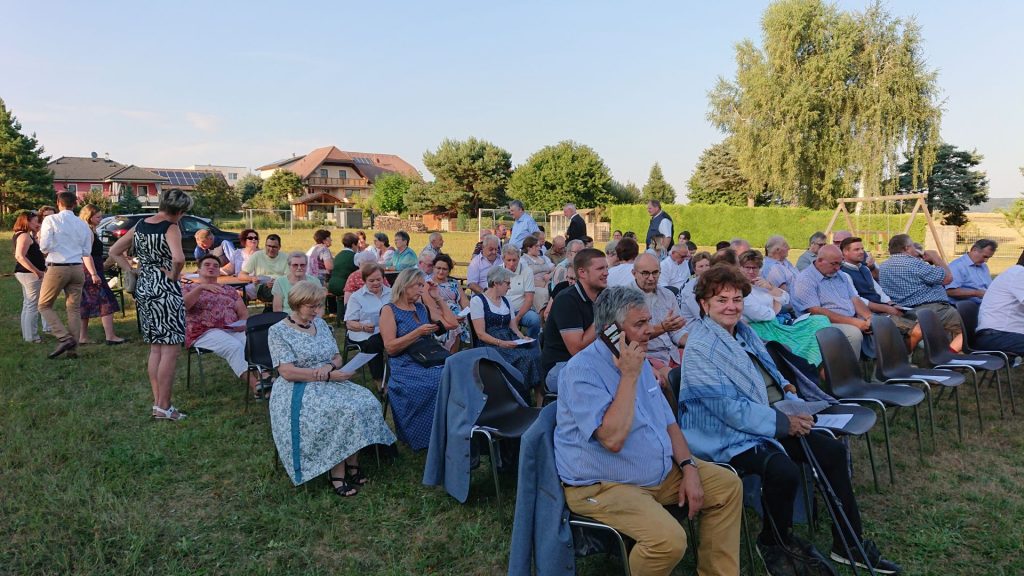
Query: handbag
131	278
427	351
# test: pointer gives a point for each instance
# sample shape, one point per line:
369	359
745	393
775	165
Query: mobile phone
611	335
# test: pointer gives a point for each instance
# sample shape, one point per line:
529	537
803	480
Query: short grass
89	485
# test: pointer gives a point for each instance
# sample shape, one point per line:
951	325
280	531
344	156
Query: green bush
709	224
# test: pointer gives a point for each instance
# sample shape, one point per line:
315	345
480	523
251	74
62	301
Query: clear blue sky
188	82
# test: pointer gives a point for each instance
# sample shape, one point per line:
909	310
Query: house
185	179
83	175
341	175
232	174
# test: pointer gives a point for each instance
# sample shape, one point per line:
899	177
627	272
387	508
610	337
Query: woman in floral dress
454	296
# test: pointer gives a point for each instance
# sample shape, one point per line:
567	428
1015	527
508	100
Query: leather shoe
64	346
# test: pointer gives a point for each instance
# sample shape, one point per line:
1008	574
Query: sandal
172	414
345	490
354	476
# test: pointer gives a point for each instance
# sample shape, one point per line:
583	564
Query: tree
565	172
1014	215
128	203
25	180
627	193
469	174
422	197
98	200
249	186
213	198
717	179
953	186
276	190
828	102
389	192
657	188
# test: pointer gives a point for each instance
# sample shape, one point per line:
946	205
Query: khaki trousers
640	513
67	279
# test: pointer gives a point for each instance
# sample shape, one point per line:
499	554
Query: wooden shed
316	202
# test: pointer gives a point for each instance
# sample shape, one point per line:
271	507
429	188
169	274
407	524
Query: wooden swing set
878	240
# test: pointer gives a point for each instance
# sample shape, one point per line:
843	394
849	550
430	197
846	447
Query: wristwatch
688	462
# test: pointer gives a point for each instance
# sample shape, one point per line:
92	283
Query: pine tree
657	188
25	180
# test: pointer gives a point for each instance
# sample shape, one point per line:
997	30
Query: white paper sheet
799	407
237	324
833	420
357	362
801	318
966	362
523	341
929	377
463	313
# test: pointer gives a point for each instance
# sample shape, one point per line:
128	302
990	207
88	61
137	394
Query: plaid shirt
815	290
911	282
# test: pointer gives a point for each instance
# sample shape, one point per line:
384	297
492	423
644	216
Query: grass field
90	485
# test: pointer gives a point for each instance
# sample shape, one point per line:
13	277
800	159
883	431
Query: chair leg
492	448
202	374
888	446
871	458
1009	386
920	442
931	415
994	375
188	369
977	398
959	421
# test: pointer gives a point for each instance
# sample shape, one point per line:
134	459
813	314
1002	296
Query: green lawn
90	485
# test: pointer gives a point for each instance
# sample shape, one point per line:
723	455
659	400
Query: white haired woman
156	241
297	263
319	418
413	315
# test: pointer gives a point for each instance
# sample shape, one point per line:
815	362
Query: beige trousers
69	280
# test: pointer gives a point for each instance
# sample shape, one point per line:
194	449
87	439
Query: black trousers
780	481
371	345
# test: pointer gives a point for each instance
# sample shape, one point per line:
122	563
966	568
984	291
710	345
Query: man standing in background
577	227
661	223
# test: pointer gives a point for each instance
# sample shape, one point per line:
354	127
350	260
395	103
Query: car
113	227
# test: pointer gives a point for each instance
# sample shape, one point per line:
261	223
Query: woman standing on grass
319	418
156	242
97	298
29	267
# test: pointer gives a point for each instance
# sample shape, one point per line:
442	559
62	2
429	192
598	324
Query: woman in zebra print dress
156	242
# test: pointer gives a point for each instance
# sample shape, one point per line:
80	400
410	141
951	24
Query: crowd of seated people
546	309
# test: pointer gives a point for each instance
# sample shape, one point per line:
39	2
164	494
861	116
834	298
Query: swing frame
920	206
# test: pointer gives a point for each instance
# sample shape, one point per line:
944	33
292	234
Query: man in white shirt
1001	318
675	270
520	292
67	241
667	333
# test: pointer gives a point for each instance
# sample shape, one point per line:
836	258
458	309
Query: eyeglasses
298	265
252	238
648	273
751	268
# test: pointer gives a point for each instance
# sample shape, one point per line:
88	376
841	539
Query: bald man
821	289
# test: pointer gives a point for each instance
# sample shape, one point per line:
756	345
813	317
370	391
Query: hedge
709	224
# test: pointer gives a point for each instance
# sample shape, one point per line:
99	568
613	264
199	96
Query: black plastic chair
938	355
845	381
968	311
257	348
503	416
892	366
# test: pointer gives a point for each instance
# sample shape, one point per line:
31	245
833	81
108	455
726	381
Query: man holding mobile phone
622	458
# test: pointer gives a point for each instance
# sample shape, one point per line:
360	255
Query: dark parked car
113	227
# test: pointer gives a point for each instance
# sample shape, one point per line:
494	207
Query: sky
171	84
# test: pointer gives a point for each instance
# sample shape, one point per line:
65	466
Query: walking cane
835	510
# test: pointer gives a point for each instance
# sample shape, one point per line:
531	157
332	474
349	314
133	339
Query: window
323	172
232	175
73	188
342	174
190	225
142	190
95	188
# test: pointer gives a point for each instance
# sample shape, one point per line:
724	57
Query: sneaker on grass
879	564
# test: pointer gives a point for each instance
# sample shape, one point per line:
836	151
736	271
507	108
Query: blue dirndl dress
412	388
526	359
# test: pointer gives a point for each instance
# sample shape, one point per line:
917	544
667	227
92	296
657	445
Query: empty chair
969	320
845	381
893	367
504	416
938	355
257	350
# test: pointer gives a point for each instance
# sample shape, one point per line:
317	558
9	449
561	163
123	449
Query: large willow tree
827	105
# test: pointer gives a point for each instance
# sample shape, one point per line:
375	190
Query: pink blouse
213	310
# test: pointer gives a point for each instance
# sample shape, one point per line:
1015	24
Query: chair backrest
257	349
936	342
968	310
674	290
890	351
842	367
497	388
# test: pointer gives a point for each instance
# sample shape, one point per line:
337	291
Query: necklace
303	326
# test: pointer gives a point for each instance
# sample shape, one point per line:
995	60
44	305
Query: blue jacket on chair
541	535
460	401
